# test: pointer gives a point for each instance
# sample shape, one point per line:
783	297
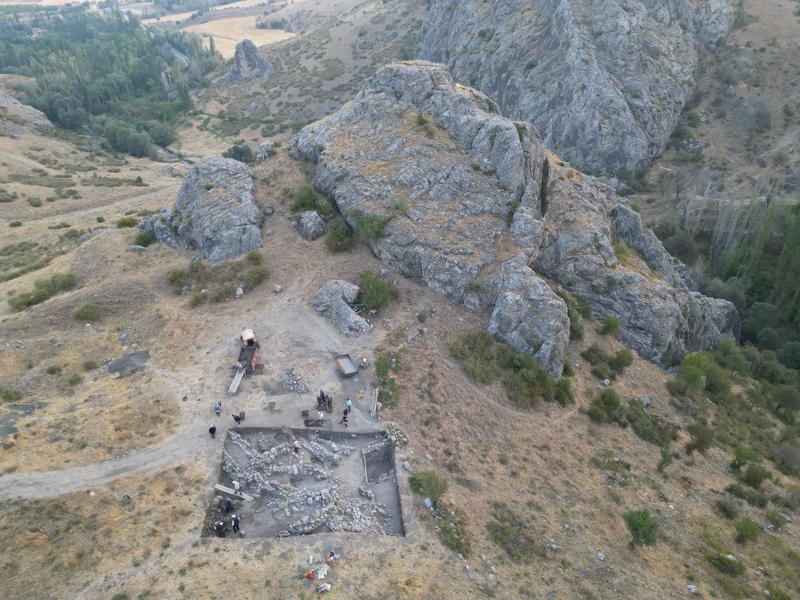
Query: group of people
212	431
218	524
324	402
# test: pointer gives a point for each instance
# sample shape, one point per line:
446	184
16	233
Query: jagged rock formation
333	301
248	63
604	82
476	211
22	114
215	212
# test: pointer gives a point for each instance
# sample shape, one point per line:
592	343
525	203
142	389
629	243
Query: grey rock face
311	225
265	150
22	114
248	63
460	190
521	295
215	212
604	81
596	248
333	301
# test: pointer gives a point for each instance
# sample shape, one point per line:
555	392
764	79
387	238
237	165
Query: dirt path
292	336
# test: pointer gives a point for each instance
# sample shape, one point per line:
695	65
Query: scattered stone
692	589
277	289
269	211
646	401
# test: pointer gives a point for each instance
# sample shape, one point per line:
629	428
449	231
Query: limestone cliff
604	81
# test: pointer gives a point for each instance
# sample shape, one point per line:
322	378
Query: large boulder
311	225
604	82
248	64
333	301
215	212
22	114
472	208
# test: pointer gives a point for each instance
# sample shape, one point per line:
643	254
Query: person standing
217	408
235	522
344	419
349	405
212	431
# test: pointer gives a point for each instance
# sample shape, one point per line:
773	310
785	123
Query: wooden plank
237	379
221	488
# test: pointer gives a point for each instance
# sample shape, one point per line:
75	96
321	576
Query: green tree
642	527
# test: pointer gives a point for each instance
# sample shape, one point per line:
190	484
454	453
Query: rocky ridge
604	82
215	212
22	114
475	208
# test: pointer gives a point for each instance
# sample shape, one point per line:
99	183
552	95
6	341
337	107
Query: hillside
553	409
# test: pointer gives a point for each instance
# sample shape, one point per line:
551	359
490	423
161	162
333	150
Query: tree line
106	74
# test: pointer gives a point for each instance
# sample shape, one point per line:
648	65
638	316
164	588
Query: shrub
240	152
642	527
429	484
89	365
53	370
144	238
306	198
127	222
646	426
751	496
368	227
382	365
728	564
340	237
755	475
603	372
610	326
665	460
15	224
43	290
746	530
622	359
514	536
594	355
389	393
87	313
453	531
421	120
606	407
9	394
255	276
728	507
74	379
701	440
375	292
741	456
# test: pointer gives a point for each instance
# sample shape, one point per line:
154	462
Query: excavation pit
305	482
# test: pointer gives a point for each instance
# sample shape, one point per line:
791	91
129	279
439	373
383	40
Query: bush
74	379
642	527
9	394
368	227
15	224
306	198
240	152
603	372
127	222
453	531
89	365
606	407
144	238
701	440
513	535
610	326
755	475
751	496
646	426
746	530
741	456
382	365
728	507
665	460
340	237
429	484
727	564
375	292
255	276
44	289
621	360
87	313
594	355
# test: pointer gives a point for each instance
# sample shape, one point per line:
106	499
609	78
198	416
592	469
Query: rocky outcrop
22	114
604	82
333	301
248	64
597	249
311	225
472	208
215	212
